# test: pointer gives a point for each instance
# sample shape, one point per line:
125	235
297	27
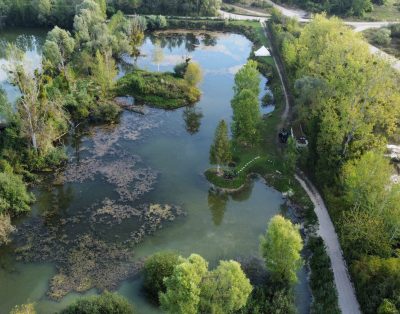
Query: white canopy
262	52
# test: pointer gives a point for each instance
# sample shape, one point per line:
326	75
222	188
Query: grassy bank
161	90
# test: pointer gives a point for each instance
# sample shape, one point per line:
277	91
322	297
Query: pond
137	187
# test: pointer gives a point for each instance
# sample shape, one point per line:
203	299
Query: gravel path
347	299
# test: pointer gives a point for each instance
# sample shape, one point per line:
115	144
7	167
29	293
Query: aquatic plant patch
92	245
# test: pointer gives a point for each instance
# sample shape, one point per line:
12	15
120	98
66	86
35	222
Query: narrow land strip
346	294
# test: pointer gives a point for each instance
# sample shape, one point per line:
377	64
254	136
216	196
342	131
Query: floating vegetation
85	260
92	263
92	247
130	182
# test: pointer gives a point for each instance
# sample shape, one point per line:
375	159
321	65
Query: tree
225	289
368	187
356	110
220	151
183	286
193	74
91	31
192	288
158	267
155	22
138	25
281	247
387	307
209	7
43	8
246	116
104	72
376	279
248	78
58	47
42	119
364	233
120	32
14	197
107	303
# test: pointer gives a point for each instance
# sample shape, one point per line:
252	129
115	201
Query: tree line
62	12
348	102
338	7
246	116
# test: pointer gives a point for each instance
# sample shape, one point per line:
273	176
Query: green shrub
155	22
381	37
107	303
14	197
157	267
376	279
105	112
321	279
387	307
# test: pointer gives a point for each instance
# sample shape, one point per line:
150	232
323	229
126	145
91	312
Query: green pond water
145	163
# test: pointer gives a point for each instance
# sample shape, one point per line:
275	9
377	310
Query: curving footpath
302	16
347	300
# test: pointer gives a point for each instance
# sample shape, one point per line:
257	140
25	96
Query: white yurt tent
262	52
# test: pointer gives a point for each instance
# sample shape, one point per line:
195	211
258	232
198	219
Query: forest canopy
62	12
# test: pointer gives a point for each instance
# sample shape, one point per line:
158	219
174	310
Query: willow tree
192	288
42	119
220	151
225	289
91	31
193	74
58	48
281	246
183	289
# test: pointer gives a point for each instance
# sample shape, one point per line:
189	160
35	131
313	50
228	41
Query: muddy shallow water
136	188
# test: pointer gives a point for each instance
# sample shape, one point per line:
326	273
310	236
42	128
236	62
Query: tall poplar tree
220	152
